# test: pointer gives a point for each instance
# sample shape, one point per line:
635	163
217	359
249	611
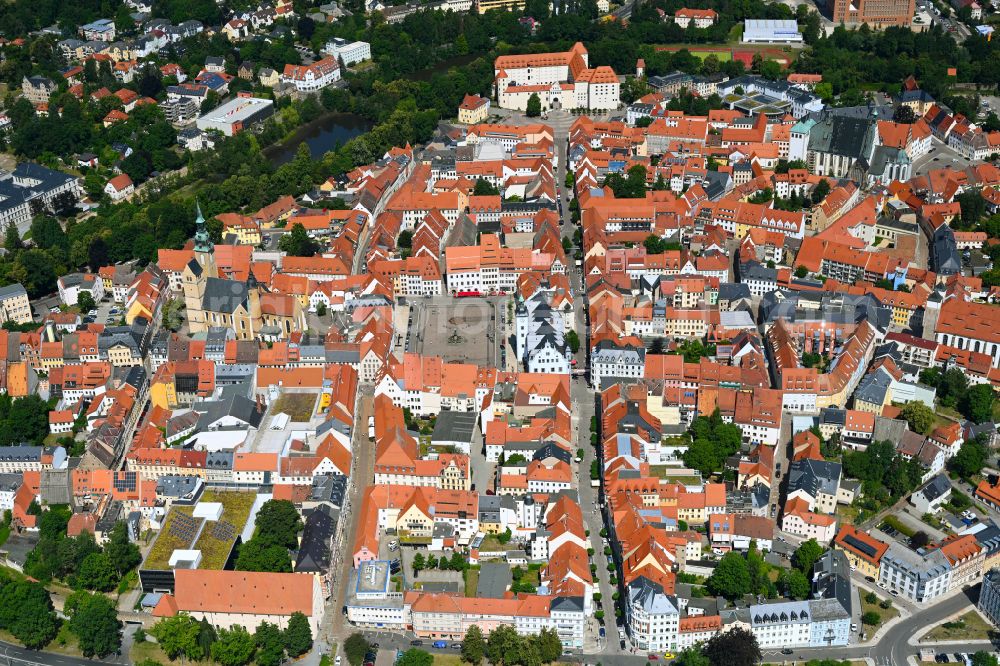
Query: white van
371	427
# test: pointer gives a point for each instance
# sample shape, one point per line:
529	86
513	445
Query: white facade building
349	52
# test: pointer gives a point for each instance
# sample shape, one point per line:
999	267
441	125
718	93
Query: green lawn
723	54
491	544
447	660
847	513
471	582
298	406
885	614
969	627
664	472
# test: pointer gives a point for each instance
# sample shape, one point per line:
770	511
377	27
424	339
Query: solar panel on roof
184	527
125	481
223	531
860	545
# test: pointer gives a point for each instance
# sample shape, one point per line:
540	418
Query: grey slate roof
453	426
234	405
935	488
224	295
314	551
650	597
873	387
494	580
814	476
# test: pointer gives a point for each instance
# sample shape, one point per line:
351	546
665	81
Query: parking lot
107	311
940	156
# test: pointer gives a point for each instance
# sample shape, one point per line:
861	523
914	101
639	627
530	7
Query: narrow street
362	473
583	397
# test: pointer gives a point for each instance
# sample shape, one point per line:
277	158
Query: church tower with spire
253	299
204	249
196	274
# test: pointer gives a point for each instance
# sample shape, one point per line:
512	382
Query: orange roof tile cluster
238	592
860	544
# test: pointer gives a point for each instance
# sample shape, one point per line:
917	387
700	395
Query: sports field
743	53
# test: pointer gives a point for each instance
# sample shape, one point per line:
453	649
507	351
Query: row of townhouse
490	267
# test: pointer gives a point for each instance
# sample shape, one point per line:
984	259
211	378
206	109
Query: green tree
549	645
12	239
298	635
254	556
278	524
483	188
871	618
795	584
235	647
46	232
26	612
806	555
731	578
692	657
633	88
904	114
206	636
85	301
983	658
503	646
270	644
473	646
573	340
415	657
122	553
736	647
919	416
355	648
534	106
951	387
96	573
801	271
297	243
973	207
820	191
94	620
178	637
970	459
653	244
39	273
977	403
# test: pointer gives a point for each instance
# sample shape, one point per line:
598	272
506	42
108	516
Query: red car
653	657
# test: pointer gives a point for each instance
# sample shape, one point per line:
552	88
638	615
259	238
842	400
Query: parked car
440	644
416	643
